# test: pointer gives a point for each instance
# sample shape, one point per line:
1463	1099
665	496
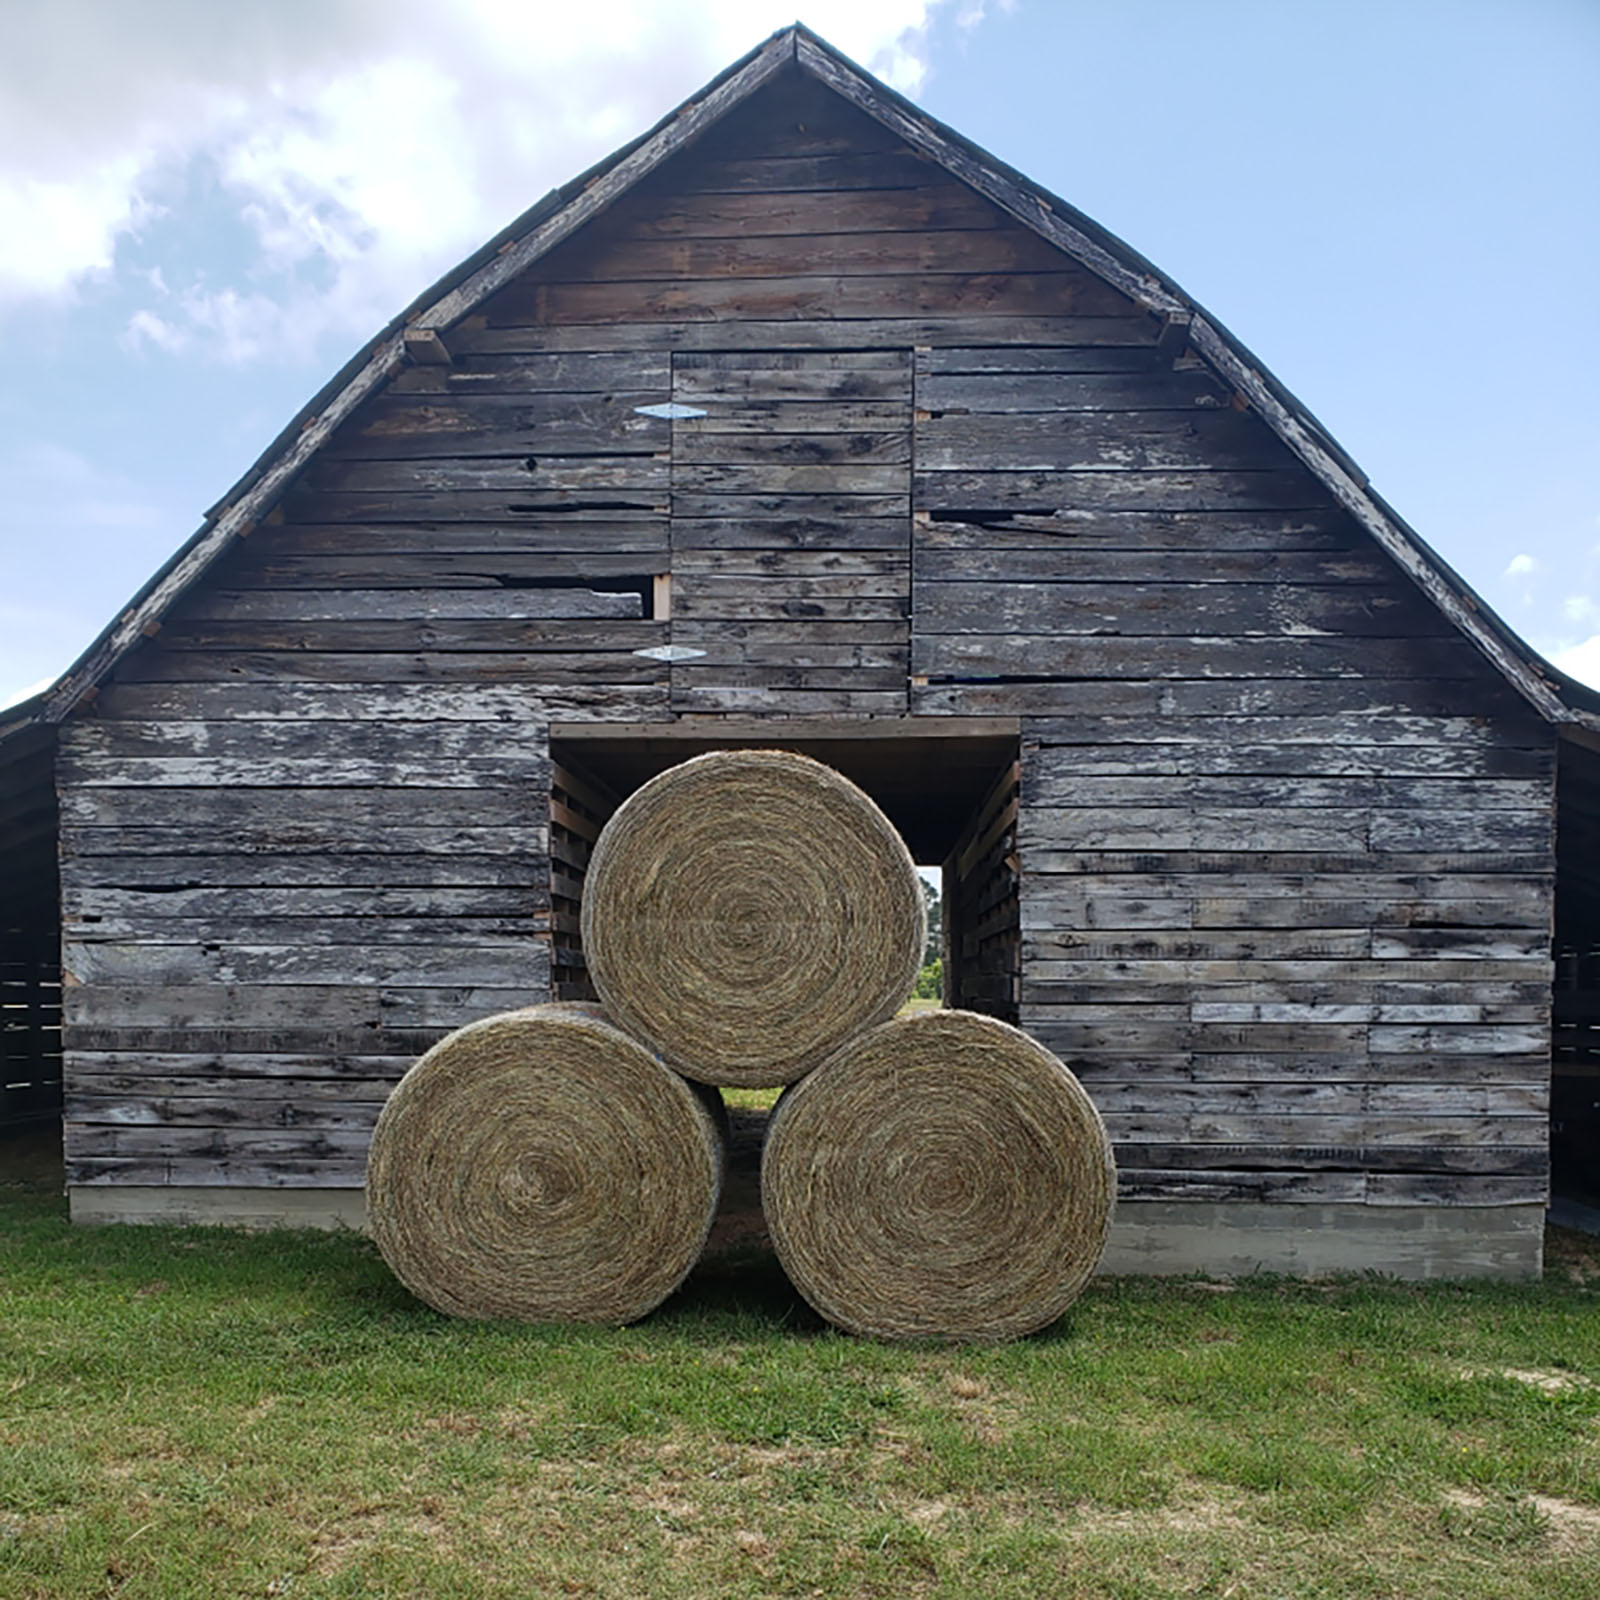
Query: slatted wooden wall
30	937
1575	1080
580	806
983	959
1286	881
1281	858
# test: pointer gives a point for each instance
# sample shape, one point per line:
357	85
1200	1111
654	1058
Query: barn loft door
791	530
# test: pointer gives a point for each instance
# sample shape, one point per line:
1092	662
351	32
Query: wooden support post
426	348
1173	339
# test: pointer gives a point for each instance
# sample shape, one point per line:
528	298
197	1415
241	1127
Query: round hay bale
543	1166
942	1177
748	911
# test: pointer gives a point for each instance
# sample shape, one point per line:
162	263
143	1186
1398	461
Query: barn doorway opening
1575	1010
950	785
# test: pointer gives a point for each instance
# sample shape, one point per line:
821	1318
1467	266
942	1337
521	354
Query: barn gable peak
421	333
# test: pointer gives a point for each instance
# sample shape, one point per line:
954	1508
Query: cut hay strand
747	912
543	1166
943	1177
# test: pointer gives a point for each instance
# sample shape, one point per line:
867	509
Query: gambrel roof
419	333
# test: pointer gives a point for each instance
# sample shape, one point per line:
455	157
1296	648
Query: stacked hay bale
749	918
543	1166
748	913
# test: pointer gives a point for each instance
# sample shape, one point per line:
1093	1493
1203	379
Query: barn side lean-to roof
419	334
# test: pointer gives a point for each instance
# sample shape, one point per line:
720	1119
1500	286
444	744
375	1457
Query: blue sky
208	208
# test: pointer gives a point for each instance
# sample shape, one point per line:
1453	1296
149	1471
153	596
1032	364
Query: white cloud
365	144
1580	608
1581	661
1521	566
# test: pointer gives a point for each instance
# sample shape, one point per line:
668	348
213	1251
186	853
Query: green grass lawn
188	1412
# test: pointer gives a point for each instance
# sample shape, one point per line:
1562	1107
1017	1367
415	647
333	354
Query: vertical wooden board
802	632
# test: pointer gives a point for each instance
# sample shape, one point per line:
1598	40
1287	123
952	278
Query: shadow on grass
747	1286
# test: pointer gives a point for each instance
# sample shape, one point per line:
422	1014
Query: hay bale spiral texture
543	1166
748	911
943	1176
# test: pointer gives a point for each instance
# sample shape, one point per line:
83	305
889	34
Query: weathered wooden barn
801	421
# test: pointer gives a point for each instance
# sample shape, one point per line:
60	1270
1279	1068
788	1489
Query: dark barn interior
30	936
1575	1017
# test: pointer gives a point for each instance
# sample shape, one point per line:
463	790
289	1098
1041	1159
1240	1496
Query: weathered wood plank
477	506
105	910
972	492
1049	610
565	373
774	418
87	1109
356	604
150	927
1531	1160
1047	700
752	699
493	963
271	1006
1313	1129
1058	785
763	507
809	298
994	560
1283	1067
1052	740
936	207
781	565
103	1076
764	448
789	478
400	637
734	680
888	332
230	813
297	771
1156	1096
797	533
1152	656
346	1171
1013	394
1309	1188
288	701
496	470
1191	441
623	256
330	1051
372	548
317	838
777	174
539	673
466	423
755	587
442	571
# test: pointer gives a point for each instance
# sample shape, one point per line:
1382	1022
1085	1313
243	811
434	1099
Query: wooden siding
1575	1082
1286	891
983	928
1275	874
30	936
